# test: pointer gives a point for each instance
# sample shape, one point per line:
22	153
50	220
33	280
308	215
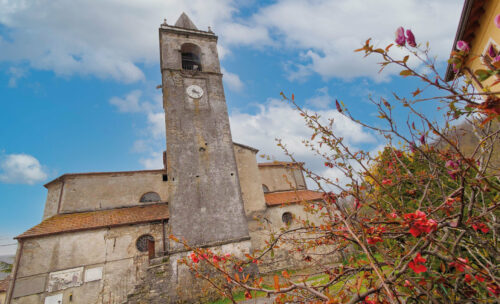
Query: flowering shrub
417	223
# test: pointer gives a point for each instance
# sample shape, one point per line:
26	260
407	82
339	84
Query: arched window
287	218
150	197
265	188
191	57
142	242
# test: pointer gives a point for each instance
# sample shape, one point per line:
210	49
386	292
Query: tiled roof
290	197
4	284
279	164
97	219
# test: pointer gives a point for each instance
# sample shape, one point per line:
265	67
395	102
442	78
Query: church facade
101	231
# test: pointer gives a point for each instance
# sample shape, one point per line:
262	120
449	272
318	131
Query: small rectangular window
165	177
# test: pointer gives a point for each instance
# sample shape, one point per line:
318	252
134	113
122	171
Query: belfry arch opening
191	57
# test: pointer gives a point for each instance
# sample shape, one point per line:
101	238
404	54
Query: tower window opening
191	57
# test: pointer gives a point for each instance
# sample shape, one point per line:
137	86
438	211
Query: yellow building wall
487	32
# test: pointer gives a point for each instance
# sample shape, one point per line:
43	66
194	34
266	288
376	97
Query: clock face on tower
194	91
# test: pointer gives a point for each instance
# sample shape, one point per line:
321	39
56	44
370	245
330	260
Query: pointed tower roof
185	22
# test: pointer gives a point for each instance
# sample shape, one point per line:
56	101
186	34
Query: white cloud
132	103
232	81
329	31
156	124
110	39
15	74
277	119
153	161
21	169
321	100
105	38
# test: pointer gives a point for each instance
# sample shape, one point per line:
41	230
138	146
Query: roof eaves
65	175
246	147
464	18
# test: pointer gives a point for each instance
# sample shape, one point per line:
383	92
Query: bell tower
206	207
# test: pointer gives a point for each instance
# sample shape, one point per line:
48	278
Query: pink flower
452	164
422	139
491	51
410	38
463	46
497	20
400	36
387	182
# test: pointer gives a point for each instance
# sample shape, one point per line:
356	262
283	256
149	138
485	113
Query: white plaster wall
112	249
280	178
250	182
104	191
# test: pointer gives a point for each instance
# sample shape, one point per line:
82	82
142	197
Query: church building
101	232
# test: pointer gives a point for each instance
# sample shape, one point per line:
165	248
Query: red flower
494	289
479	278
419	223
468	278
374	240
460	264
387	182
393	215
248	295
481	226
416	265
194	257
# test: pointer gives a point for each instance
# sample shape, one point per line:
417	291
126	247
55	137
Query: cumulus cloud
277	119
108	39
21	169
232	81
321	100
153	161
329	31
132	103
111	39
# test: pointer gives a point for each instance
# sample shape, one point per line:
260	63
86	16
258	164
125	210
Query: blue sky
78	78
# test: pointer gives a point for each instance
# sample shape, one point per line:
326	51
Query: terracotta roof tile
97	219
290	197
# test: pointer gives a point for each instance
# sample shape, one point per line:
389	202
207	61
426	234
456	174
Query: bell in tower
206	206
